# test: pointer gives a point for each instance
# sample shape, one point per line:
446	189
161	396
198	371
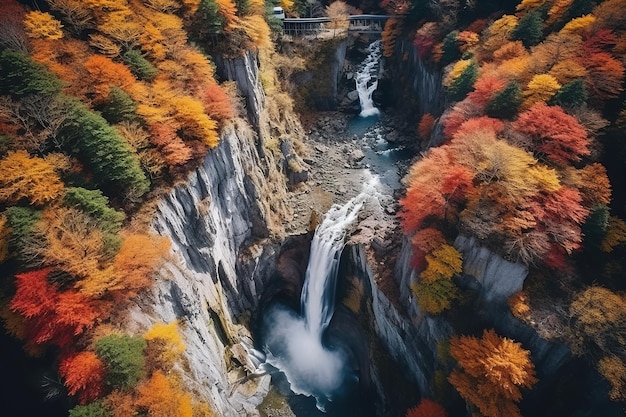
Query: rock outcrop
496	277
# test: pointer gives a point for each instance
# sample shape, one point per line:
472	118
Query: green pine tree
119	106
140	66
572	94
464	83
124	360
109	156
20	76
95	409
529	29
450	48
595	227
505	104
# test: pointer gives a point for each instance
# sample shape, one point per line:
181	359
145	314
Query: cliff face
411	340
221	222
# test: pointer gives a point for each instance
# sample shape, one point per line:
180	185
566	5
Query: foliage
21	223
390	33
425	127
615	235
164	345
96	205
42	25
464	83
427	408
529	29
118	106
52	316
123	357
95	409
573	94
614	370
83	374
162	397
108	155
217	103
598	323
20	76
437	186
505	104
540	89
553	133
450	48
492	371
595	227
443	262
29	178
140	66
435	297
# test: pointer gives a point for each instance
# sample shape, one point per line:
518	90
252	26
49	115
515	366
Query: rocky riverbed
340	158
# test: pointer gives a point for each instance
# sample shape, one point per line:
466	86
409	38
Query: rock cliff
223	222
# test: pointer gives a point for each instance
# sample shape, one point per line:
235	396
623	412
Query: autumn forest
106	104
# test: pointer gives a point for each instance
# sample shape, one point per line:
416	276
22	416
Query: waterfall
318	293
293	342
368	74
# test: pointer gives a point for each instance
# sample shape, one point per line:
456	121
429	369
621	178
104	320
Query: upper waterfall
366	79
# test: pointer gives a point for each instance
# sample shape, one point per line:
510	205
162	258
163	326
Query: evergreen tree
118	107
208	21
450	48
505	104
95	409
110	157
464	83
123	356
21	221
573	94
140	66
20	76
529	29
594	228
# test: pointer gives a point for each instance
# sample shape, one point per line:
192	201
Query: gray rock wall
411	341
497	277
214	273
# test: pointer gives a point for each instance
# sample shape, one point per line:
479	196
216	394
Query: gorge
202	215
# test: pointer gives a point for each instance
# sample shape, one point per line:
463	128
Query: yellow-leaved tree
492	372
165	345
42	25
30	178
540	89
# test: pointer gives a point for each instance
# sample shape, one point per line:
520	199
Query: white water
294	342
367	79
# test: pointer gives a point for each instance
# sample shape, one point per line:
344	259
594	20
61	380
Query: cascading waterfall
293	342
367	79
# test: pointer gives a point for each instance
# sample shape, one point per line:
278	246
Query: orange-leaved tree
161	396
437	185
492	372
83	373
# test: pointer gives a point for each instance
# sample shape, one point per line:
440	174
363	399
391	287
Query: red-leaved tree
554	135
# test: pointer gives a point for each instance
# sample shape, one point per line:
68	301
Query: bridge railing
308	26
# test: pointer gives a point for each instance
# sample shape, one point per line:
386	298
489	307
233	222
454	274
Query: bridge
314	26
